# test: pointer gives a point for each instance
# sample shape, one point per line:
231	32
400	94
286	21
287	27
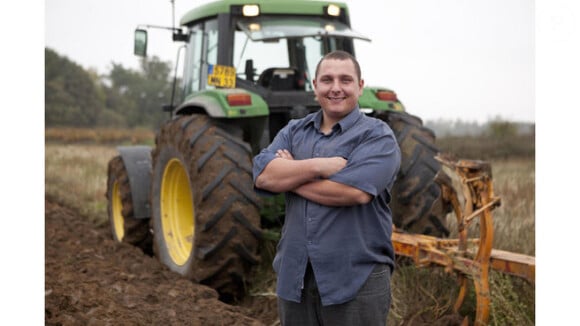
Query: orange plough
467	185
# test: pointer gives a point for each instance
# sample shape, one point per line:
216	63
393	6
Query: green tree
501	129
72	97
139	95
122	98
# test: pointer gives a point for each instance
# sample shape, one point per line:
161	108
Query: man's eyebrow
341	76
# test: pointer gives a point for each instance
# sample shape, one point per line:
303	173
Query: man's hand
284	173
327	165
285	154
331	165
309	180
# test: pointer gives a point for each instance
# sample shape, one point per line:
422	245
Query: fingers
285	154
331	165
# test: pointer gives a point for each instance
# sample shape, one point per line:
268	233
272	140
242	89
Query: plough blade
467	186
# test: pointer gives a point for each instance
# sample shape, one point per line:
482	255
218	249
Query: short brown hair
340	55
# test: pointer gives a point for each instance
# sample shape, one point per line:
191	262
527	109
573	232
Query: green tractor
247	71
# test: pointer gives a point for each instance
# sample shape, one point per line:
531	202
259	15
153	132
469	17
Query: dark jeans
369	308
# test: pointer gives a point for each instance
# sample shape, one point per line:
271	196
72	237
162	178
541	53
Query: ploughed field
92	280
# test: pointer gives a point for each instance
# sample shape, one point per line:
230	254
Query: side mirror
140	47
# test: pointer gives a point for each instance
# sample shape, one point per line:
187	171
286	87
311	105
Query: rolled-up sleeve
373	165
266	155
260	162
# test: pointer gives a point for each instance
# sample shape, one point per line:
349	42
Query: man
336	166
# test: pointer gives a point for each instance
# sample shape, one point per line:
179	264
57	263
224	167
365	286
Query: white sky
451	59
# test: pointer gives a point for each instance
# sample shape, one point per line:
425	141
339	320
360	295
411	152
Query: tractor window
265	54
291	43
192	73
201	51
211	48
314	52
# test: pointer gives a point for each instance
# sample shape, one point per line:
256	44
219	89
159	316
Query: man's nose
335	85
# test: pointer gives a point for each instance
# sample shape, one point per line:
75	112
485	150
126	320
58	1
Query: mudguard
137	160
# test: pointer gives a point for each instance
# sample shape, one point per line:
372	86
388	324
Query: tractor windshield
294	45
273	29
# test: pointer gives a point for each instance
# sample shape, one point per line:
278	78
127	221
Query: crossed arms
309	179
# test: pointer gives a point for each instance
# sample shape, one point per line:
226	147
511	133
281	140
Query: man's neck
327	124
329	121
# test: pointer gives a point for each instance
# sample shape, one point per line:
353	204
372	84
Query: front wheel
205	213
125	226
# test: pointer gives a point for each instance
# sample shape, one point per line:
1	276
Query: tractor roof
291	7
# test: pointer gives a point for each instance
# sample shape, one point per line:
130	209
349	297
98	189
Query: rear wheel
205	213
124	226
417	204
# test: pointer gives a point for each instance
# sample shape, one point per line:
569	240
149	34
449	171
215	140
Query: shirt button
309	241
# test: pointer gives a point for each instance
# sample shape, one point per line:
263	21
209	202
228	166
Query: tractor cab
272	48
282	52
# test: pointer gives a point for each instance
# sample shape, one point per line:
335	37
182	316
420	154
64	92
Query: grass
426	296
514	220
489	148
76	175
72	135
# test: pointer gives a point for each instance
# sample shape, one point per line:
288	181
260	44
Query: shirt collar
350	120
343	125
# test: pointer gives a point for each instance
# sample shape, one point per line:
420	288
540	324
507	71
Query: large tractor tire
205	214
417	204
124	226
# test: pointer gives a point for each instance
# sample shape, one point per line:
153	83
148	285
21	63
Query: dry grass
99	136
489	148
420	296
76	175
515	219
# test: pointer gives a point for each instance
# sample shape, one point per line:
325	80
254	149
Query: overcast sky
451	59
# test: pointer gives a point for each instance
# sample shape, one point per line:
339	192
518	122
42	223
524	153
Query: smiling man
336	168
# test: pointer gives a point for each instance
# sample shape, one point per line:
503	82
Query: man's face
337	87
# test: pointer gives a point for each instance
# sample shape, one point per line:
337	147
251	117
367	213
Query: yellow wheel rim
116	212
177	212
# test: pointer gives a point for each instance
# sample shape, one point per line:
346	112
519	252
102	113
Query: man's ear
361	85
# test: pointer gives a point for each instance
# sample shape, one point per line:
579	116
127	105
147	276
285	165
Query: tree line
123	98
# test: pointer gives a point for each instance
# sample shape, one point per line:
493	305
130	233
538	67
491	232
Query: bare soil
90	279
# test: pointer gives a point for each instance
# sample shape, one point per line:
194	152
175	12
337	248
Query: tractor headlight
251	10
333	10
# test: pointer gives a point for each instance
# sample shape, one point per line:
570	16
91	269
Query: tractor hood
271	29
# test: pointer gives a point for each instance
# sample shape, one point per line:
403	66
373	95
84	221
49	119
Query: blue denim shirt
345	243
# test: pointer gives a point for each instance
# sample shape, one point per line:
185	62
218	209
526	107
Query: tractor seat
281	79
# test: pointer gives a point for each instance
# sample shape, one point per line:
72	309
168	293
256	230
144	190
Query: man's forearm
330	193
286	174
281	175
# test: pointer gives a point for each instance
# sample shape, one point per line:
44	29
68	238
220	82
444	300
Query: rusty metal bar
514	264
468	187
473	215
426	251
